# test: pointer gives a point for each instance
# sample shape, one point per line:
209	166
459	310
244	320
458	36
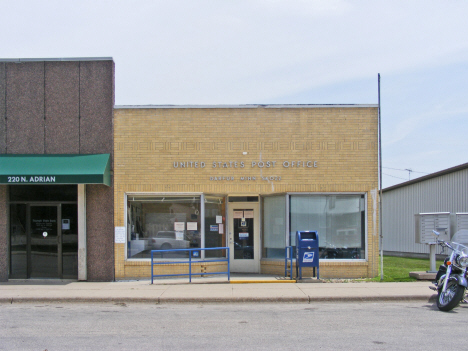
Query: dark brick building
56	156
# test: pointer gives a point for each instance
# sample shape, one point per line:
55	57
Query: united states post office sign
242	164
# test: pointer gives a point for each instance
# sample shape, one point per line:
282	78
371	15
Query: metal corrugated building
444	191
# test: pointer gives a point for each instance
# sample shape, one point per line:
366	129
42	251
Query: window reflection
18	242
339	220
274	226
163	223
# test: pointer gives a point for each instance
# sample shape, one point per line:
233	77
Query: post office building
247	177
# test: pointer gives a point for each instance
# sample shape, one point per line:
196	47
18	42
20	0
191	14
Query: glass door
244	238
45	251
44	241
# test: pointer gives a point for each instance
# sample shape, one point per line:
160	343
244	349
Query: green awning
55	169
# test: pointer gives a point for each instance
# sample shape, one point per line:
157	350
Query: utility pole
380	184
409	172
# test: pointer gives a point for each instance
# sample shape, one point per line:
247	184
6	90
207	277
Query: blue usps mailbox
307	251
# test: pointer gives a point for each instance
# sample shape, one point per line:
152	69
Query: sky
275	52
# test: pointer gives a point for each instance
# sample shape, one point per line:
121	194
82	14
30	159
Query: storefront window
215	225
162	223
274	226
339	220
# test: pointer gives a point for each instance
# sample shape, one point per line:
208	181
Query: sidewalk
211	290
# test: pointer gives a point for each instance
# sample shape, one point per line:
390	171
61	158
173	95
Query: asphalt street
231	326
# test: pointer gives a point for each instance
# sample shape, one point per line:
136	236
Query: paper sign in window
120	235
192	225
179	226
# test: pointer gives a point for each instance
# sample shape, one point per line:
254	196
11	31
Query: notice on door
248	214
41	225
238	214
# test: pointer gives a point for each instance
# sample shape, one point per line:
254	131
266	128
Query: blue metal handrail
288	249
190	251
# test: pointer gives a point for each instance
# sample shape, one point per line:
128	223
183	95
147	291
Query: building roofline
19	60
245	106
427	177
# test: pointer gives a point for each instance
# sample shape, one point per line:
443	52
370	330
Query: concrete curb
262	282
190	300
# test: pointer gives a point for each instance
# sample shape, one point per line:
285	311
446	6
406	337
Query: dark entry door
45	234
44	241
243	238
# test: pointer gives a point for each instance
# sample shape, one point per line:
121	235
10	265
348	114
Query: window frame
288	195
130	196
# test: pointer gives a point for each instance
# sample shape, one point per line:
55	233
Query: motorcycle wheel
452	297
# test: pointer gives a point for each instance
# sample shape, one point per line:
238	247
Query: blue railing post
288	251
190	266
229	268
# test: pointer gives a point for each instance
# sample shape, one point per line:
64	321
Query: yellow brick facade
336	146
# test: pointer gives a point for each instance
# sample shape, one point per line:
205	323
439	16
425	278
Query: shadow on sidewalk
39	282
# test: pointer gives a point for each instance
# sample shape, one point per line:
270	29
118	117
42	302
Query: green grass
396	269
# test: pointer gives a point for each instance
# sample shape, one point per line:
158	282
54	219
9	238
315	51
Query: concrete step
423	275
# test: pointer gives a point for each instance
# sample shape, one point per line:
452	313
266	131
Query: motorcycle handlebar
444	243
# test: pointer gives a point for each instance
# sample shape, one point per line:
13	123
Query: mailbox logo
308	257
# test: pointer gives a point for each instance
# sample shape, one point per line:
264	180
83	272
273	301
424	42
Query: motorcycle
451	279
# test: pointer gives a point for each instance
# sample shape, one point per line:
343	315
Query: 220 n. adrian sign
30	179
52	179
